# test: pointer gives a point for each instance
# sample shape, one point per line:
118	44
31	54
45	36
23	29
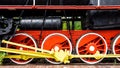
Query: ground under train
81	32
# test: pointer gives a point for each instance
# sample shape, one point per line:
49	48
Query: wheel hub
91	47
21	48
56	48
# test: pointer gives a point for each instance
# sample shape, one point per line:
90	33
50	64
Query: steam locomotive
82	32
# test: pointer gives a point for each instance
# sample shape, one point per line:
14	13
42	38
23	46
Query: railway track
72	62
59	66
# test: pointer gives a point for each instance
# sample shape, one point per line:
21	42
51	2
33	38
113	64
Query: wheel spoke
98	41
88	59
100	45
87	52
82	46
82	50
117	50
65	47
100	50
23	40
28	41
118	45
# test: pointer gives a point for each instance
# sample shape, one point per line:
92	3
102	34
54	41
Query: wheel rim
88	44
56	41
116	46
22	38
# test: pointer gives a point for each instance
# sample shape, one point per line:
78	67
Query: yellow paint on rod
20	56
97	55
25	46
29	53
62	56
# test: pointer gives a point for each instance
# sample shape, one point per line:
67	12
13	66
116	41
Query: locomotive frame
91	41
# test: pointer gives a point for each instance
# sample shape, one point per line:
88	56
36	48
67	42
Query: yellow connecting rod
96	56
28	53
62	56
46	51
25	46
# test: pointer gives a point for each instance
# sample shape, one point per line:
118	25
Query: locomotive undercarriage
34	32
75	34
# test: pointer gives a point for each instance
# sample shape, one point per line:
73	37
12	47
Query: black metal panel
44	2
15	2
105	19
38	13
105	2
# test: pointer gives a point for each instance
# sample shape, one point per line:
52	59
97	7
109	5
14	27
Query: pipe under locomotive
82	32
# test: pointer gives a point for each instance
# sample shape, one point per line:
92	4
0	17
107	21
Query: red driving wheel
89	44
116	45
22	38
56	41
